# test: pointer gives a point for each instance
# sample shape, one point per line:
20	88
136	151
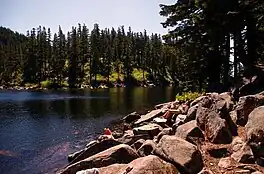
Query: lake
38	129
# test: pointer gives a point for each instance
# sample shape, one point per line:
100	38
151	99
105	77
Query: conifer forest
208	44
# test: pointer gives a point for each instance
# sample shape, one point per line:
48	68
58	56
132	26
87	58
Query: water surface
39	129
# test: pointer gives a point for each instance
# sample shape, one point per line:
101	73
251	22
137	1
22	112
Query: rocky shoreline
211	134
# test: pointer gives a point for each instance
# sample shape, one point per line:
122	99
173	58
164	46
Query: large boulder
246	105
255	125
93	148
147	147
150	129
215	128
149	116
148	165
121	154
201	117
190	132
112	169
255	131
184	155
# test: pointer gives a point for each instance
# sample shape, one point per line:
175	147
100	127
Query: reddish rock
246	105
121	154
184	155
191	114
149	165
94	148
190	132
216	129
112	169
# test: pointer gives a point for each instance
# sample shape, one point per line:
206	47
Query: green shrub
64	84
187	96
138	74
114	77
100	78
46	84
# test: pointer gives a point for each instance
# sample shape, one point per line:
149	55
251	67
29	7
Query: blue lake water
39	128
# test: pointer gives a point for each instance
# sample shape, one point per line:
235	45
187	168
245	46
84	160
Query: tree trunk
226	61
251	40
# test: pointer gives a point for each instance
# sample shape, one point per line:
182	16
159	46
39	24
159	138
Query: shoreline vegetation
196	133
138	79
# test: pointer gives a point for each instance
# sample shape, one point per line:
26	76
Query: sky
23	15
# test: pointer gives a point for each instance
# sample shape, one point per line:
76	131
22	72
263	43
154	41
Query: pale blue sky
23	15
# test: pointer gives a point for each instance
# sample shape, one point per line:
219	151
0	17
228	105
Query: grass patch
188	96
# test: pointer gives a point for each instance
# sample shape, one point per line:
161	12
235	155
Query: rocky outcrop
184	155
180	137
122	154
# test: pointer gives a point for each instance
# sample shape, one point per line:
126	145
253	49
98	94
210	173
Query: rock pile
212	134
